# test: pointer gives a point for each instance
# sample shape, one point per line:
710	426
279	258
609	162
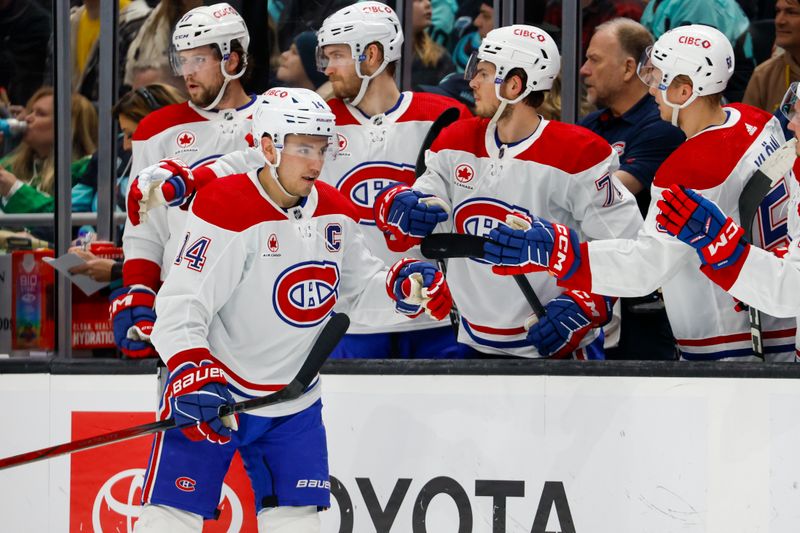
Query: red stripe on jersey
495	331
343	115
332	202
463	135
165	118
559	143
233	203
736	337
708	159
428	107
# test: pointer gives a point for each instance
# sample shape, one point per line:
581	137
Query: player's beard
207	95
345	89
489	111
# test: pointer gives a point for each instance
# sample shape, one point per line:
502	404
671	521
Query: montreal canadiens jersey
561	172
252	284
198	138
374	152
717	162
770	284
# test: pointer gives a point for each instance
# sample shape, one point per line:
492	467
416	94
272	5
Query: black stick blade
450	245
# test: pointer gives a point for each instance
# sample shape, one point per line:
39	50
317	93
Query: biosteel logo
694	41
522	32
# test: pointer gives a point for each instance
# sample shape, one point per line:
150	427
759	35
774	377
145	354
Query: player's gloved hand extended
418	286
569	318
195	395
133	315
699	223
405	216
522	245
168	182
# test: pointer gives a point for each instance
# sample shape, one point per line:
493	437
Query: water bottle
12	127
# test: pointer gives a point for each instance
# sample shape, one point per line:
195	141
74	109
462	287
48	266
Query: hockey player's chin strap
228	78
504	102
676	108
273	170
365	79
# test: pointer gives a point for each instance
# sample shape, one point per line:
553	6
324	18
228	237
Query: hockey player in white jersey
687	69
506	167
210	52
266	257
768	281
379	134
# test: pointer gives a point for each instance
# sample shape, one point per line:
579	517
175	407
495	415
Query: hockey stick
447	117
757	187
327	340
449	245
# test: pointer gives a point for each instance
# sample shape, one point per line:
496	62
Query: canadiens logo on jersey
479	216
363	184
619	147
306	293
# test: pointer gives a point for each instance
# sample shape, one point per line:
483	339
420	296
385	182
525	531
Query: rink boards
452	453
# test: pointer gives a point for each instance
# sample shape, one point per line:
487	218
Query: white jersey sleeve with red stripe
373	152
253	284
561	172
716	162
198	138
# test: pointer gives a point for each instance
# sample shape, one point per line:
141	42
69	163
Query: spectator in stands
594	13
431	61
147	60
628	118
297	66
24	32
85	32
772	78
27	175
482	14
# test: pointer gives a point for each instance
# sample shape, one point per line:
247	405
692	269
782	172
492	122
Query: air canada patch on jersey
479	216
305	293
362	184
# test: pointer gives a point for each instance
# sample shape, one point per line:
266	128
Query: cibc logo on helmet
276	92
219	13
376	9
694	41
522	32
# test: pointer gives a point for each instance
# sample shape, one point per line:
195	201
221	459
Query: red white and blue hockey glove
133	315
405	216
569	318
194	396
520	246
699	223
168	182
418	286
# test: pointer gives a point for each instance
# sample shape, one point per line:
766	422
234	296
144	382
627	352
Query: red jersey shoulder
233	203
466	135
567	147
332	202
428	106
708	159
342	113
165	118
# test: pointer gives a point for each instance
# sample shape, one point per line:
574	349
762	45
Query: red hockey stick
326	341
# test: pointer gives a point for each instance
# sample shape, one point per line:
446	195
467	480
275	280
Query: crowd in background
765	34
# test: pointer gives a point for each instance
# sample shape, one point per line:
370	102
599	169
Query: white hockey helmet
519	46
698	51
219	25
358	26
